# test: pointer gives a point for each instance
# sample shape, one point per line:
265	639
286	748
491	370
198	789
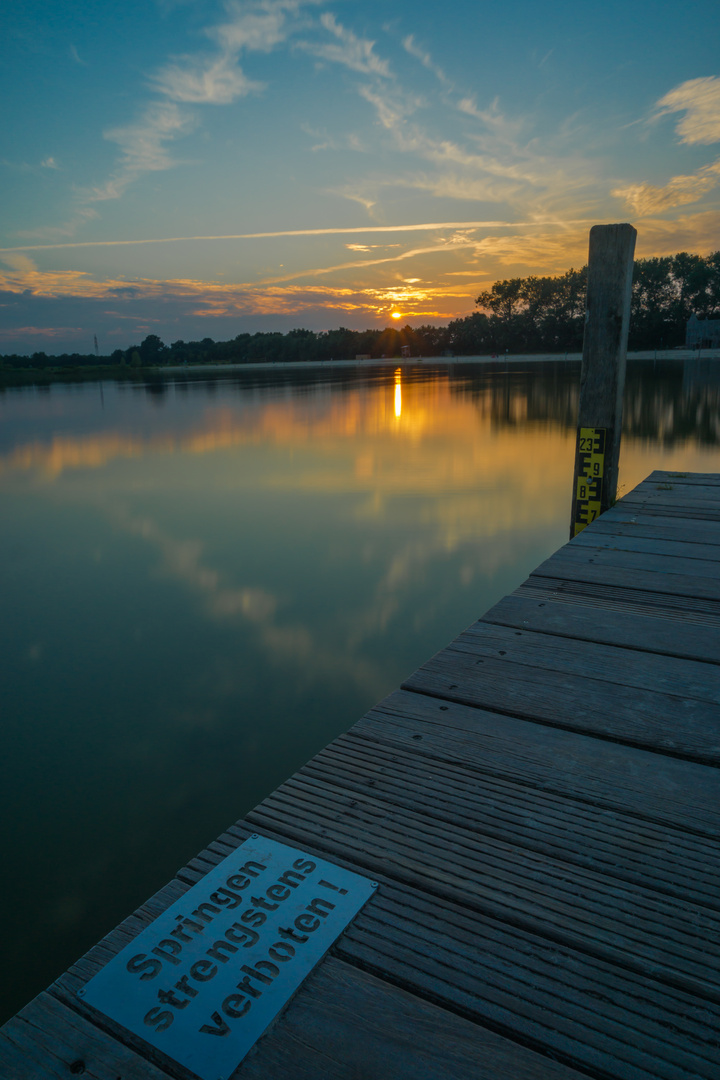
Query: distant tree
152	350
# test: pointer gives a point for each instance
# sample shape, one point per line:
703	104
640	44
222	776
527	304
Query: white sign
207	977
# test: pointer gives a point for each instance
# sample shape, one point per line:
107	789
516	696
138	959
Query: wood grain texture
661	476
649	632
604	774
655	527
625	597
664	566
350	1025
686	509
600	540
690	680
673	941
608	569
680	727
667	860
607	318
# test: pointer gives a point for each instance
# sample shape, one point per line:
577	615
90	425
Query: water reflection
205	580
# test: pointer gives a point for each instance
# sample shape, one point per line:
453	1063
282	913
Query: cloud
217	82
427	226
411	46
392	108
17	261
504	130
351	51
144	146
49	163
439	248
257	27
75	56
447	185
646	199
215	79
57	233
698	232
699	99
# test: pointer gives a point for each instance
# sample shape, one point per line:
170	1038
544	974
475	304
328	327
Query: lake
205	579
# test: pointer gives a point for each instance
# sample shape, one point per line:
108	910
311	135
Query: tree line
517	315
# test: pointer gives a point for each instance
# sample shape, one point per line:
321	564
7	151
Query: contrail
336	231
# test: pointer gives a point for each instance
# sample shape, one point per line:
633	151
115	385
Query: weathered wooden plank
607	572
600	539
661	476
691	680
345	1024
652	633
688	511
661	565
654	856
672	489
683	794
673	941
49	1041
683	728
626	523
582	1011
702	611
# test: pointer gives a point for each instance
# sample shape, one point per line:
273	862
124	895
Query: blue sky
201	169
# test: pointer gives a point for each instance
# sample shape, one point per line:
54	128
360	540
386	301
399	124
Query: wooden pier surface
540	804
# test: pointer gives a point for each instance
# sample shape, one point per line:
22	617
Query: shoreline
17	377
511	358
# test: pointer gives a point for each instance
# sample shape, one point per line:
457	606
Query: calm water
203	582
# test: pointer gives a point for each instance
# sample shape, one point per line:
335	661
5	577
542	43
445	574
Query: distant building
702	333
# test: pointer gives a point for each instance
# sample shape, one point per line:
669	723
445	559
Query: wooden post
602	380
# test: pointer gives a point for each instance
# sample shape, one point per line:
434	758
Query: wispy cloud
144	146
219	81
17	261
646	198
411	46
353	52
49	163
392	107
54	234
699	100
504	130
256	27
332	231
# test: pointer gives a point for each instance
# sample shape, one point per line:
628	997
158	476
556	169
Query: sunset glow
273	164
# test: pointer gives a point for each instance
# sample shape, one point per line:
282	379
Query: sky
204	169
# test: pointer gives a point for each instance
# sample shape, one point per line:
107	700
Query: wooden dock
540	805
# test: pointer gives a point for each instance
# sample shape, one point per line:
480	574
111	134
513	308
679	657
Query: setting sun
396	315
